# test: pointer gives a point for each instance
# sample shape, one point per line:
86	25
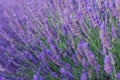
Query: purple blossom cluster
59	40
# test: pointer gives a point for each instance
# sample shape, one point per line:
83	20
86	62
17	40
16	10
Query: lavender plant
59	40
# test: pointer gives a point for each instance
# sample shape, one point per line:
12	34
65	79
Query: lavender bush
59	39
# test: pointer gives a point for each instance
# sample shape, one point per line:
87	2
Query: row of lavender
60	40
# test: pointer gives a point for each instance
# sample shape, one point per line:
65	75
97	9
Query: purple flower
117	4
41	78
79	56
118	76
104	51
84	75
85	45
53	46
75	29
64	29
80	53
37	38
35	77
84	30
91	57
74	58
51	31
54	74
116	13
66	73
92	60
84	63
80	47
112	58
104	36
108	65
113	32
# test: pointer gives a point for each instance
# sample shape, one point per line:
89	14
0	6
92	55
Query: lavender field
59	39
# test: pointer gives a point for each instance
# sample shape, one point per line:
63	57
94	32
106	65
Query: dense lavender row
60	40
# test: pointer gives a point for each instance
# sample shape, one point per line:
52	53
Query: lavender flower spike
118	76
84	75
112	58
108	65
113	32
104	36
67	74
